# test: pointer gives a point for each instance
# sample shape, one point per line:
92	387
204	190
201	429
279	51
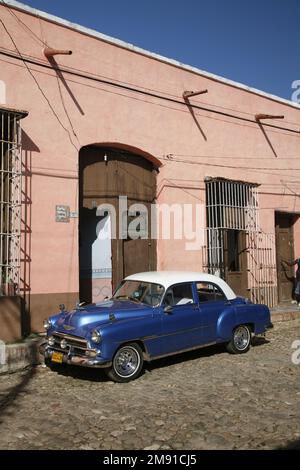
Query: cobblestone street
207	399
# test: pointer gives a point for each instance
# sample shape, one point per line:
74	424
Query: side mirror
168	309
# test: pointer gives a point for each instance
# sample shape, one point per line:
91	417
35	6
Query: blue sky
256	42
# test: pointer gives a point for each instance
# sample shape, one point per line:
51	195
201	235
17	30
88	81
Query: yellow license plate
57	357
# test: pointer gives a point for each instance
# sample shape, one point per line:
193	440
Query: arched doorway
105	174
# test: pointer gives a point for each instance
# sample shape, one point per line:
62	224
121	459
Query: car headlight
96	336
47	324
63	344
51	340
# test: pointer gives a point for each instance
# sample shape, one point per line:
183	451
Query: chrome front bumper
72	359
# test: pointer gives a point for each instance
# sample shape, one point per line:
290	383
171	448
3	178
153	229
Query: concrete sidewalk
17	356
285	313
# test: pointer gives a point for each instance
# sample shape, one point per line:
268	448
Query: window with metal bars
231	204
10	201
235	244
231	208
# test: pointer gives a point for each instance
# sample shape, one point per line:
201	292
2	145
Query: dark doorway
235	258
105	174
284	254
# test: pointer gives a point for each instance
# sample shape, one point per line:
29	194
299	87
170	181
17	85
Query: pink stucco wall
60	122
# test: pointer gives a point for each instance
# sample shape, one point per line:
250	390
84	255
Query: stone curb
17	356
284	316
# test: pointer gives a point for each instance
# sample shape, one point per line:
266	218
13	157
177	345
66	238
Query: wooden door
235	258
106	174
284	252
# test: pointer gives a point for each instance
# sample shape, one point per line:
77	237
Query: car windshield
138	291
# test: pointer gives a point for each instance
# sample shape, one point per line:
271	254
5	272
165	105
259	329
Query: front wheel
240	341
127	363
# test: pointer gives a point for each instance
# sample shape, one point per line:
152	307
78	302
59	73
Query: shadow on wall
28	148
60	77
191	110
267	139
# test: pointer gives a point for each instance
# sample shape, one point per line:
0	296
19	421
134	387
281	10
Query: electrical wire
129	83
147	93
225	166
172	108
24	25
163	157
39	87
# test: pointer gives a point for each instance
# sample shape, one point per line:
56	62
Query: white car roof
168	278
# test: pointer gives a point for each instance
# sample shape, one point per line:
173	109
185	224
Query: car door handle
168	310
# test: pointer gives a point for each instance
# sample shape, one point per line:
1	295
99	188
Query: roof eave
21	113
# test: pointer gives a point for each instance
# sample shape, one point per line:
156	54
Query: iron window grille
10	200
234	206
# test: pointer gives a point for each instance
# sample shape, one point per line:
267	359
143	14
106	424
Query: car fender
256	315
226	323
140	330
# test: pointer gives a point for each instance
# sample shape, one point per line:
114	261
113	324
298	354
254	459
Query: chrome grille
75	344
75	341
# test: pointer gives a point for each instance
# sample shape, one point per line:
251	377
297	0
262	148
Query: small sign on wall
62	213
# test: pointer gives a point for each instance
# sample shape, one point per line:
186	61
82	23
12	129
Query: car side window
208	292
179	294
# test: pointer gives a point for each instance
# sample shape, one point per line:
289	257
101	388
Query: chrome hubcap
241	338
126	361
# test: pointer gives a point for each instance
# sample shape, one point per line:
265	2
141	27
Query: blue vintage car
151	315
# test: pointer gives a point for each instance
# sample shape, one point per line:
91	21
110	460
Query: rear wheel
127	363
240	341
